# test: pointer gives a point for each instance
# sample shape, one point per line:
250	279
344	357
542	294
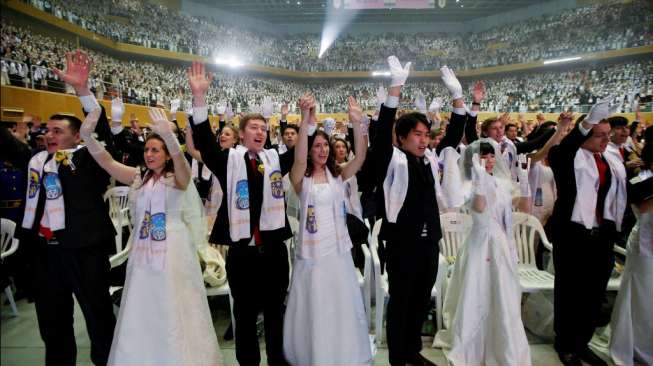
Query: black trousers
583	261
259	278
60	273
412	267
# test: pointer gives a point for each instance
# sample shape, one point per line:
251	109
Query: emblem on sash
311	222
52	186
276	183
33	183
145	226
242	195
158	226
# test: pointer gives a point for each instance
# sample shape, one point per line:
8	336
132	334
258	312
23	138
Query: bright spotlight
336	21
558	60
381	73
230	61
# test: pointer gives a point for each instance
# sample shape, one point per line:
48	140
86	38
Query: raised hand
564	120
420	103
220	108
451	82
398	73
600	111
199	82
355	111
478	93
436	105
284	110
117	110
78	66
161	126
478	174
229	112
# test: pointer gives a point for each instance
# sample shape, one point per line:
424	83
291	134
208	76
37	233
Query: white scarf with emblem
273	214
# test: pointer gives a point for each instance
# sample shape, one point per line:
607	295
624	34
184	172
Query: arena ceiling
310	11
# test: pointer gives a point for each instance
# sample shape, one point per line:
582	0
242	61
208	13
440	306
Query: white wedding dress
164	314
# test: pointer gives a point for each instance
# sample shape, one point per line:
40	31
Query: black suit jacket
561	160
87	215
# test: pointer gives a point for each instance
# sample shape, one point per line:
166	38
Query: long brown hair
334	169
146	173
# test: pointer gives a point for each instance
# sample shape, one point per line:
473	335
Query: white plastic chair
455	227
525	227
380	283
6	237
118	198
365	281
292	242
121	253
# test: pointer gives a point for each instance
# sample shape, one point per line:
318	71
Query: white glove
220	108
329	124
117	110
634	105
451	82
161	126
435	105
254	108
602	110
478	175
420	103
86	132
267	108
398	73
381	96
174	105
522	174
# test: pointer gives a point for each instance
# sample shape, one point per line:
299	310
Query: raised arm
360	128
122	173
161	126
190	145
564	120
306	104
456	128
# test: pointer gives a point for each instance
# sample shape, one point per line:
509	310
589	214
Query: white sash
150	236
587	188
272	211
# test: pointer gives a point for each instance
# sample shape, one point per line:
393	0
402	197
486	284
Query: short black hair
508	125
408	122
74	122
293	127
618	121
485	148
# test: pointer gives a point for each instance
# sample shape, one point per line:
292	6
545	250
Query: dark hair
334	169
633	128
647	150
74	122
169	167
292	127
248	117
618	121
508	125
485	148
408	121
334	140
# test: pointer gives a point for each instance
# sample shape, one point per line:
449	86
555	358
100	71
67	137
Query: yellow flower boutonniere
261	168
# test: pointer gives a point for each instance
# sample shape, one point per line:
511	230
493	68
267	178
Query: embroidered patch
538	197
33	183
145	226
242	195
311	222
276	183
52	186
158	226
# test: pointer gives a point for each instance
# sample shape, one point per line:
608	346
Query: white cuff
200	115
116	129
583	130
392	101
89	102
473	113
460	111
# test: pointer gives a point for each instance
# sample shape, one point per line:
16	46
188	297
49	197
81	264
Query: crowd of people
587	178
607	26
28	58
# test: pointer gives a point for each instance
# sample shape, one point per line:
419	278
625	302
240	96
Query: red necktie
257	233
622	151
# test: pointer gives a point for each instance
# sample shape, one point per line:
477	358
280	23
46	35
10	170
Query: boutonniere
65	158
259	165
